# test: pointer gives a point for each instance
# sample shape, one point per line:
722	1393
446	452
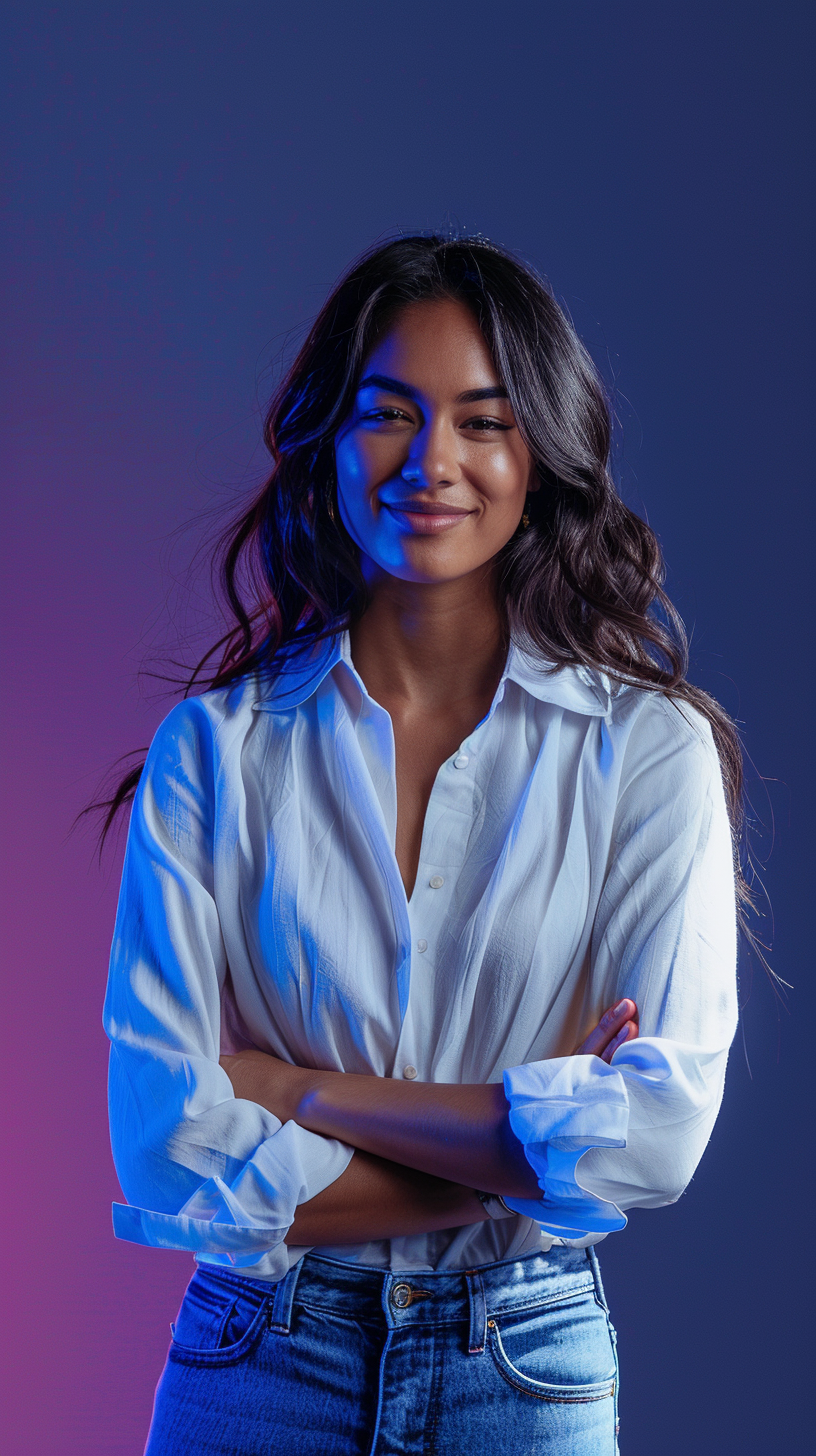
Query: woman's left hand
260	1077
617	1025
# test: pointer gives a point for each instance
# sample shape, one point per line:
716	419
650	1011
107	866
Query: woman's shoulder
204	724
631	710
666	743
218	720
665	719
595	692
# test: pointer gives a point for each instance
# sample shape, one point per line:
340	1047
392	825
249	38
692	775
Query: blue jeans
342	1360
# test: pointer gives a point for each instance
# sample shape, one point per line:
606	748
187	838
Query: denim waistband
406	1297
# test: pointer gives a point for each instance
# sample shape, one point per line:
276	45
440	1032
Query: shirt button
422	945
461	760
409	1072
436	882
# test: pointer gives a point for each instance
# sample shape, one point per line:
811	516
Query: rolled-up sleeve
606	1138
201	1169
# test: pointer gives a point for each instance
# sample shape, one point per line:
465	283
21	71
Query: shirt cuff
558	1109
238	1224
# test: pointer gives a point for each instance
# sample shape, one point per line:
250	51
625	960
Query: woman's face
432	473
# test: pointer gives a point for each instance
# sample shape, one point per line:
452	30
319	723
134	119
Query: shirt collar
578	689
302	673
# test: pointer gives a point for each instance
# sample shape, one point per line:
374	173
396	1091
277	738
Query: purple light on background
185	186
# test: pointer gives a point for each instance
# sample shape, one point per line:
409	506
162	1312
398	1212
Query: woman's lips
427	520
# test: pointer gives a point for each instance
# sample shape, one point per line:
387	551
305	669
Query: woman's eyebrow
391	386
472	396
395	386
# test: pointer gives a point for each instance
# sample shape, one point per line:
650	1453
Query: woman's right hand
617	1025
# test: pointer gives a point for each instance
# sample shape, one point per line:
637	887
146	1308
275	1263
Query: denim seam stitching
518	1379
193	1354
559	1298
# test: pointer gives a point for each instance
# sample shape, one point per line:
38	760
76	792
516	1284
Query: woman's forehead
435	343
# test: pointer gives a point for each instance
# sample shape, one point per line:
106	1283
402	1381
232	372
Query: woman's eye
388	414
487	422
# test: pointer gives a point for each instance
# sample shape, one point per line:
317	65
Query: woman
424	964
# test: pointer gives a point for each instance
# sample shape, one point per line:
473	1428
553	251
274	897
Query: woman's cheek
363	462
351	464
506	477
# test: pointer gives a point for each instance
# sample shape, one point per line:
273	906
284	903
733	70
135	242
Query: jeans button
401	1296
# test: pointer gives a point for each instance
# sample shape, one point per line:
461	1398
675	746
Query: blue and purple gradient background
185	184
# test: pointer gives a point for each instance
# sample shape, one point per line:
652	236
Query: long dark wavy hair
582	585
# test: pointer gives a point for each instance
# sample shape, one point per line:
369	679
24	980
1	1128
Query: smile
427	520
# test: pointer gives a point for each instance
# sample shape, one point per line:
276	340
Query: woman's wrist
308	1092
274	1084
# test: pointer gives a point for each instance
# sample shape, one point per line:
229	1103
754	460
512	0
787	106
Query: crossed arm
421	1147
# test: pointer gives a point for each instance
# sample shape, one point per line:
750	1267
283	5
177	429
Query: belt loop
281	1315
478	1312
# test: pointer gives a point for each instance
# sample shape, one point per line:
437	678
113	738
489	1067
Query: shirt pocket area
560	1351
218	1322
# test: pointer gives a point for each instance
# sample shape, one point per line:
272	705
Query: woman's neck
429	644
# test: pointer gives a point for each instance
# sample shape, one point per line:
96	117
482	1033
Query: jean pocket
218	1322
561	1351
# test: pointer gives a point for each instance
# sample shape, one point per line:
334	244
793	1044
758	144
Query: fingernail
621	1004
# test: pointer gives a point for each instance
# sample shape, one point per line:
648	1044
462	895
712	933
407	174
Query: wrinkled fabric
576	850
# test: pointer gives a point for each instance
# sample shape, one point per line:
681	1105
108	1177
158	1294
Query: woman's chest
324	942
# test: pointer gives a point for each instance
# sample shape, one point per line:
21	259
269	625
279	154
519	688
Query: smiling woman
423	968
432	447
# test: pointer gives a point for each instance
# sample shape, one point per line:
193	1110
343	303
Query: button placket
428	909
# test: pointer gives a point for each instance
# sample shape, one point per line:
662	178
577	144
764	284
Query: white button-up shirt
575	850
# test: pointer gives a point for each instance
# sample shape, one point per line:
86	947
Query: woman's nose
434	457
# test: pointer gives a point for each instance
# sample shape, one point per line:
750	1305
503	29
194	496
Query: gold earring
330	507
525	522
